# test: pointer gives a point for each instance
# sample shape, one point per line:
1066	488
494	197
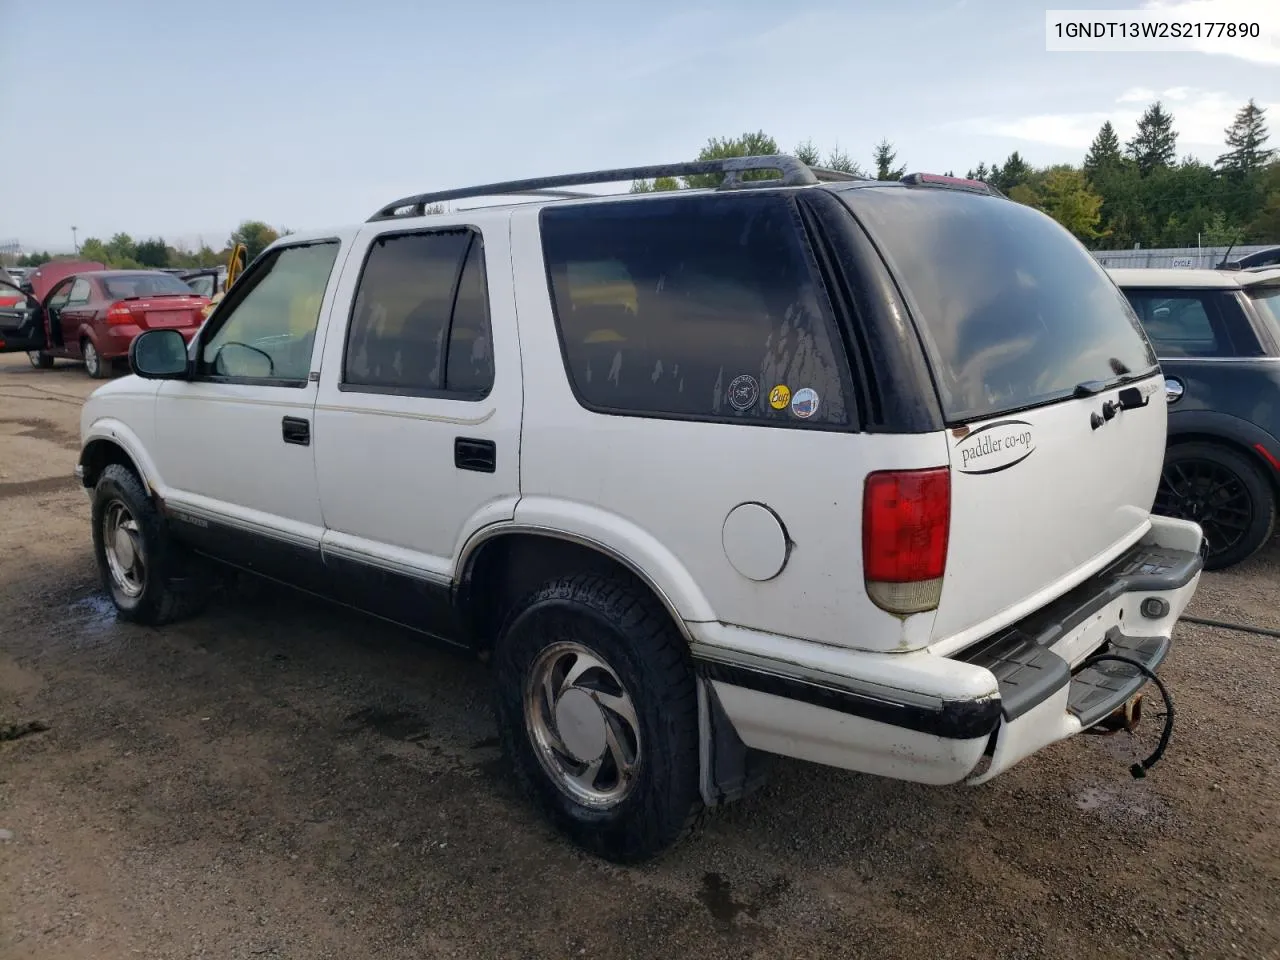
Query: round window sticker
804	404
744	391
780	396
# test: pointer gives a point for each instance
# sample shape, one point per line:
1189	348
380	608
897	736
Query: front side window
420	321
696	308
58	298
1179	323
267	331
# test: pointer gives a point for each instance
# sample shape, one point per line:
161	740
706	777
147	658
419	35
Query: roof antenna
1226	257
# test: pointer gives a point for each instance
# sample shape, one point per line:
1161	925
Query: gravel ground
282	779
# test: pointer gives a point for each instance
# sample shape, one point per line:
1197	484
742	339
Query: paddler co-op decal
995	447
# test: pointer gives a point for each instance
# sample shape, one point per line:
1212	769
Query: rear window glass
1013	311
694	307
146	285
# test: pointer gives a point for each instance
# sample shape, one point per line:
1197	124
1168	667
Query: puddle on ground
1127	803
92	619
717	896
95	608
394	724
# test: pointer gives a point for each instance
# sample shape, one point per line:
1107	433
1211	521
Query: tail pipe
1126	718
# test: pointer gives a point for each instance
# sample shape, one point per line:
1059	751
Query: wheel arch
114	444
1224	430
505	562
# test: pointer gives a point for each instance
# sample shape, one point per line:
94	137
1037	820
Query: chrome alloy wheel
122	544
583	725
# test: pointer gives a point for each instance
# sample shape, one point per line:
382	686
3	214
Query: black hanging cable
1139	770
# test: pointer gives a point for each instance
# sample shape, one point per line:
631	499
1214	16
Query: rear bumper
933	719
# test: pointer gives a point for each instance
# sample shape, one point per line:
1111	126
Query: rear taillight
119	313
906	516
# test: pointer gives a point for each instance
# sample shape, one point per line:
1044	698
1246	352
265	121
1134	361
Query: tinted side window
1179	324
420	321
267	326
696	307
470	364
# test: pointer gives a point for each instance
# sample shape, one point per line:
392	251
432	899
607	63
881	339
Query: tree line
1120	195
122	252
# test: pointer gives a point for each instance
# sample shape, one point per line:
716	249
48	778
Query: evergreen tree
1247	137
884	157
1104	151
1155	144
1014	172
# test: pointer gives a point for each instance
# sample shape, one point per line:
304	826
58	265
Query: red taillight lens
119	313
906	517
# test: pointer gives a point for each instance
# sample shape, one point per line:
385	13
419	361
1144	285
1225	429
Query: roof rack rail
794	172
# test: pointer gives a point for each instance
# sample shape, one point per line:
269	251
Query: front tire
39	359
597	712
139	563
94	365
1224	492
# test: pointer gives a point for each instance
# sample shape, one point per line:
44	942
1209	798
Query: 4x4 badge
744	391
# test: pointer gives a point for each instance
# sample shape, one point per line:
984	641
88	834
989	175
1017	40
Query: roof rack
794	173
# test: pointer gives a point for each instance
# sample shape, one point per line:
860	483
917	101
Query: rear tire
94	365
1223	491
142	568
590	670
39	359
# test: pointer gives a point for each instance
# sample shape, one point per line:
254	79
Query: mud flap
729	768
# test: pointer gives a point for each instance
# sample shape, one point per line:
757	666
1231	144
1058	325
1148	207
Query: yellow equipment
235	267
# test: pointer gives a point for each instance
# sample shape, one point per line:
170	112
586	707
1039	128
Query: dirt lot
282	779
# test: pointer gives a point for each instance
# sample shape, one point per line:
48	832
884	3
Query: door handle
1173	390
478	455
296	430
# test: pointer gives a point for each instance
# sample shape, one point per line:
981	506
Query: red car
94	316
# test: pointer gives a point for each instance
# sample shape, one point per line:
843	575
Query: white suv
843	470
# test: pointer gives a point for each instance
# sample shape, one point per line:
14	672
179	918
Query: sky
178	119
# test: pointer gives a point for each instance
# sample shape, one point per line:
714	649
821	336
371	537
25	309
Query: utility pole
74	245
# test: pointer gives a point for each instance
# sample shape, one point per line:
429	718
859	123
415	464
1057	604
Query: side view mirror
159	355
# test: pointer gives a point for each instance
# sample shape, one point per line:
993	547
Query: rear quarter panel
659	491
1244	389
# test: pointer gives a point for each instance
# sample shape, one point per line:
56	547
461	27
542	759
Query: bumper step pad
1098	690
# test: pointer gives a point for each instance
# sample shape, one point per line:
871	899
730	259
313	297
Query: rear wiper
1089	388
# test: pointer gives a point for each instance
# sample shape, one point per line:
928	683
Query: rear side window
80	291
700	307
420	321
1180	324
1013	311
1267	302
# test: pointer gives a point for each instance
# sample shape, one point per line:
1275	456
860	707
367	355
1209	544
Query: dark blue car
1217	334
